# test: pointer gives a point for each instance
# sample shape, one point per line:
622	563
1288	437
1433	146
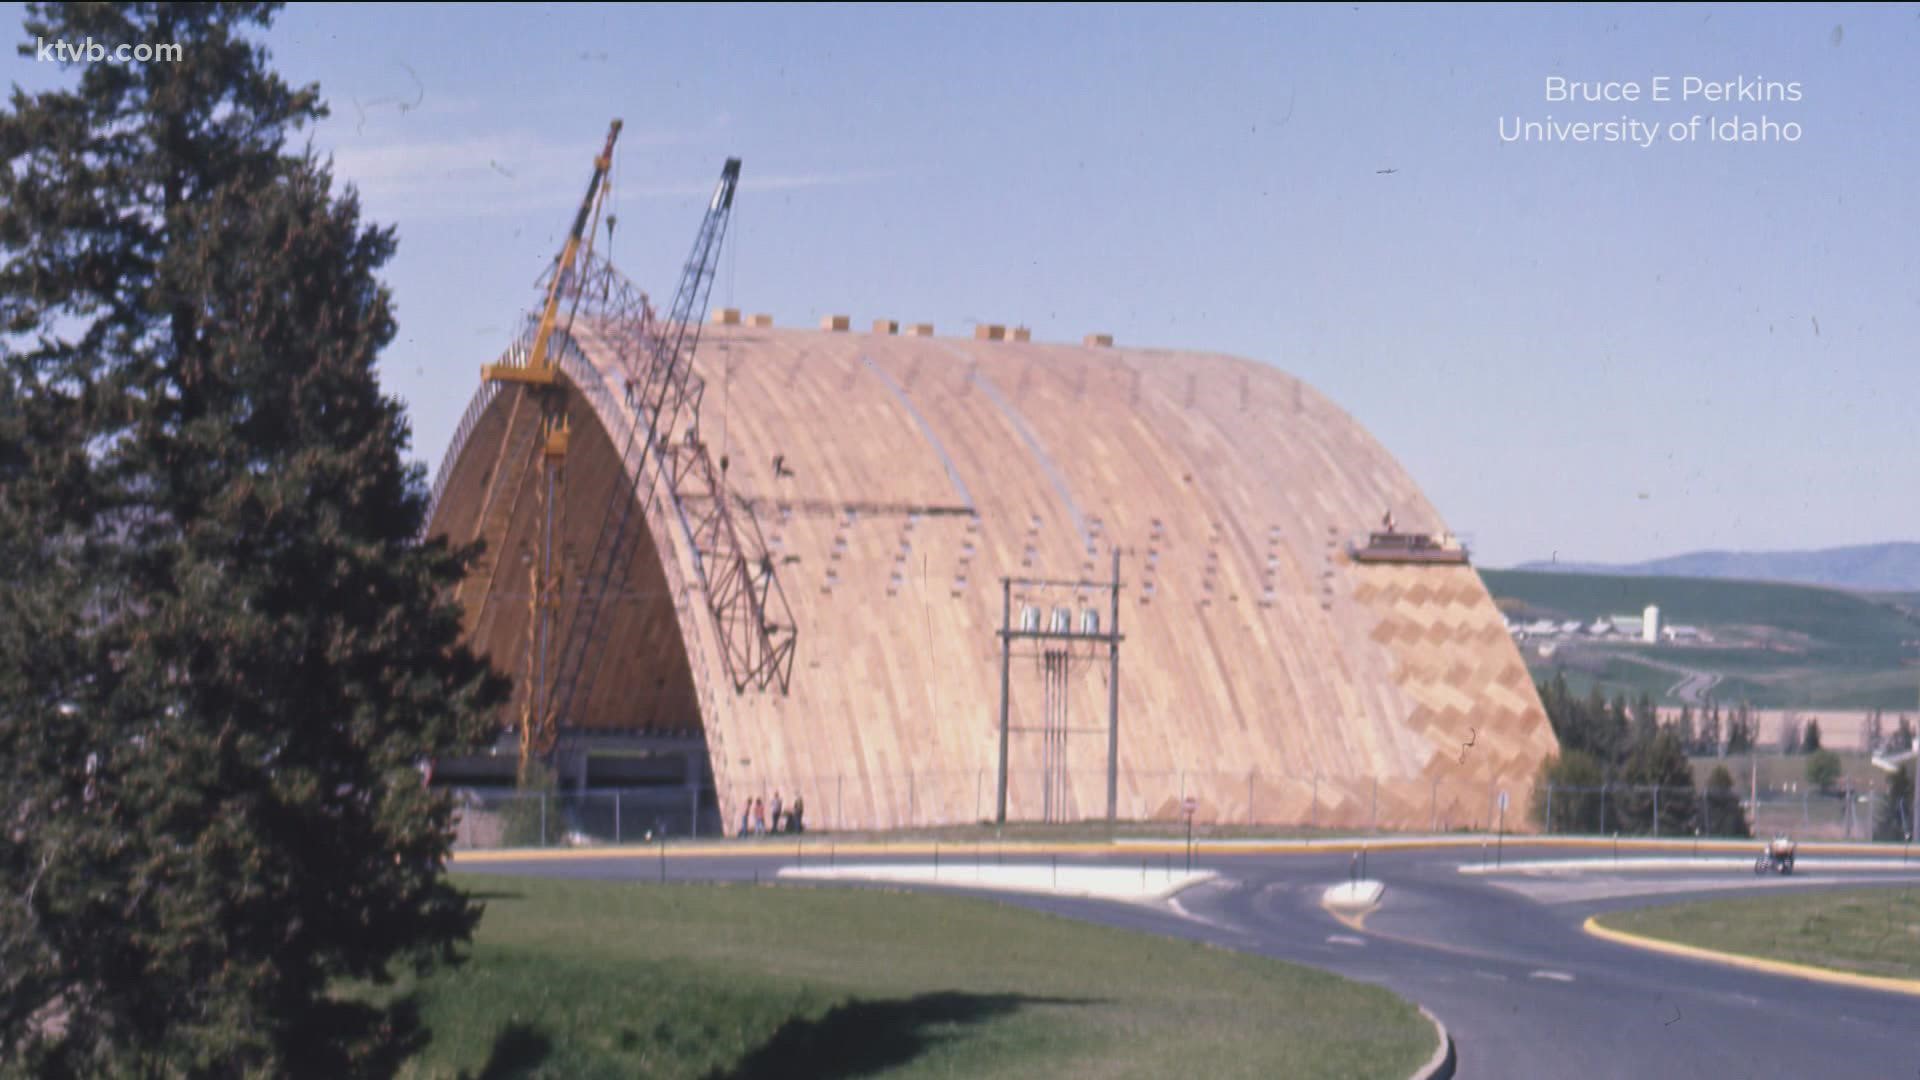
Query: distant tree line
1614	751
1613	754
1707	733
1877	739
1892	820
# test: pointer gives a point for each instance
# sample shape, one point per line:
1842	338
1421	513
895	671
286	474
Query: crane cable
613	217
726	362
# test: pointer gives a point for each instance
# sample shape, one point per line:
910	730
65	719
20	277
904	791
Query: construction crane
540	375
752	621
539	369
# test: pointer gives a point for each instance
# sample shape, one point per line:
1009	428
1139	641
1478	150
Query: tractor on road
1776	856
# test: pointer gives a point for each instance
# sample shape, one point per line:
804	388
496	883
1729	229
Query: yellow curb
960	851
1212	849
816	850
1353	918
1754	963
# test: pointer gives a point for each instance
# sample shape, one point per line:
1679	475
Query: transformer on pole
1062	636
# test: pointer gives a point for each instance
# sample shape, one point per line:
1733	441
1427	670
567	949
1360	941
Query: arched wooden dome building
889	481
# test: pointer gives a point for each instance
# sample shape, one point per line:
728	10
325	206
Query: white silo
1650	624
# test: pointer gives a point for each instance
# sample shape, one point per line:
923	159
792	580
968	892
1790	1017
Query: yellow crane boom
539	369
541	377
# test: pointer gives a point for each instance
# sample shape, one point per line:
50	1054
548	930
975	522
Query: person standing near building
746	818
776	812
759	817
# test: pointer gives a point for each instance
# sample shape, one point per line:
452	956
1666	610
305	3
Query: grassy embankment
584	979
1865	931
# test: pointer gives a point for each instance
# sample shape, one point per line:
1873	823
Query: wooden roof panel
1260	658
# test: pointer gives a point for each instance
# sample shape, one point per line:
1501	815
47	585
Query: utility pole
1006	665
1058	661
1113	700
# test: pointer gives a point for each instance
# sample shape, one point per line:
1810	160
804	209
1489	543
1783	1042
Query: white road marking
1556	976
1491	975
1345	939
1173	903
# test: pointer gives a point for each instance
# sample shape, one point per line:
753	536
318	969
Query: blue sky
1602	351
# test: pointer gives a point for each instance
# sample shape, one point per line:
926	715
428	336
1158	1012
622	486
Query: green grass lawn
1767	681
1867	931
1777	770
588	979
1893	689
1798	687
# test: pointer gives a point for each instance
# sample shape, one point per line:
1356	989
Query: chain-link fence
1644	810
1215	799
504	817
1218	801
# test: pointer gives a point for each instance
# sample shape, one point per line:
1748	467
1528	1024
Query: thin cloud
796	181
465	176
749	182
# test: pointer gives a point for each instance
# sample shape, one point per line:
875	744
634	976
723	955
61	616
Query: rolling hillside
1878	567
1773	645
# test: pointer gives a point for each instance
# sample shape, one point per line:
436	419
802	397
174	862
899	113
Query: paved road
1500	959
1694	689
1693	686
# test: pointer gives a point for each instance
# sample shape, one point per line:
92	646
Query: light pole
1917	788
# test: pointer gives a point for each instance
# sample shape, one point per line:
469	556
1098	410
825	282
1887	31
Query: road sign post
1190	804
1500	830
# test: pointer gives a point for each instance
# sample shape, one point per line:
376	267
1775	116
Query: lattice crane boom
539	369
754	625
676	340
537	372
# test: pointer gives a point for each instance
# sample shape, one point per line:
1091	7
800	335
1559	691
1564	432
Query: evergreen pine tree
1619	727
1574	802
1790	732
1891	820
1810	737
1740	729
1659	763
1710	735
1646	720
1598	725
223	651
1724	816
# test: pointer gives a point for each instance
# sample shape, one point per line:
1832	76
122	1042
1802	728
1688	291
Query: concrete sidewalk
1095	882
1802	865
